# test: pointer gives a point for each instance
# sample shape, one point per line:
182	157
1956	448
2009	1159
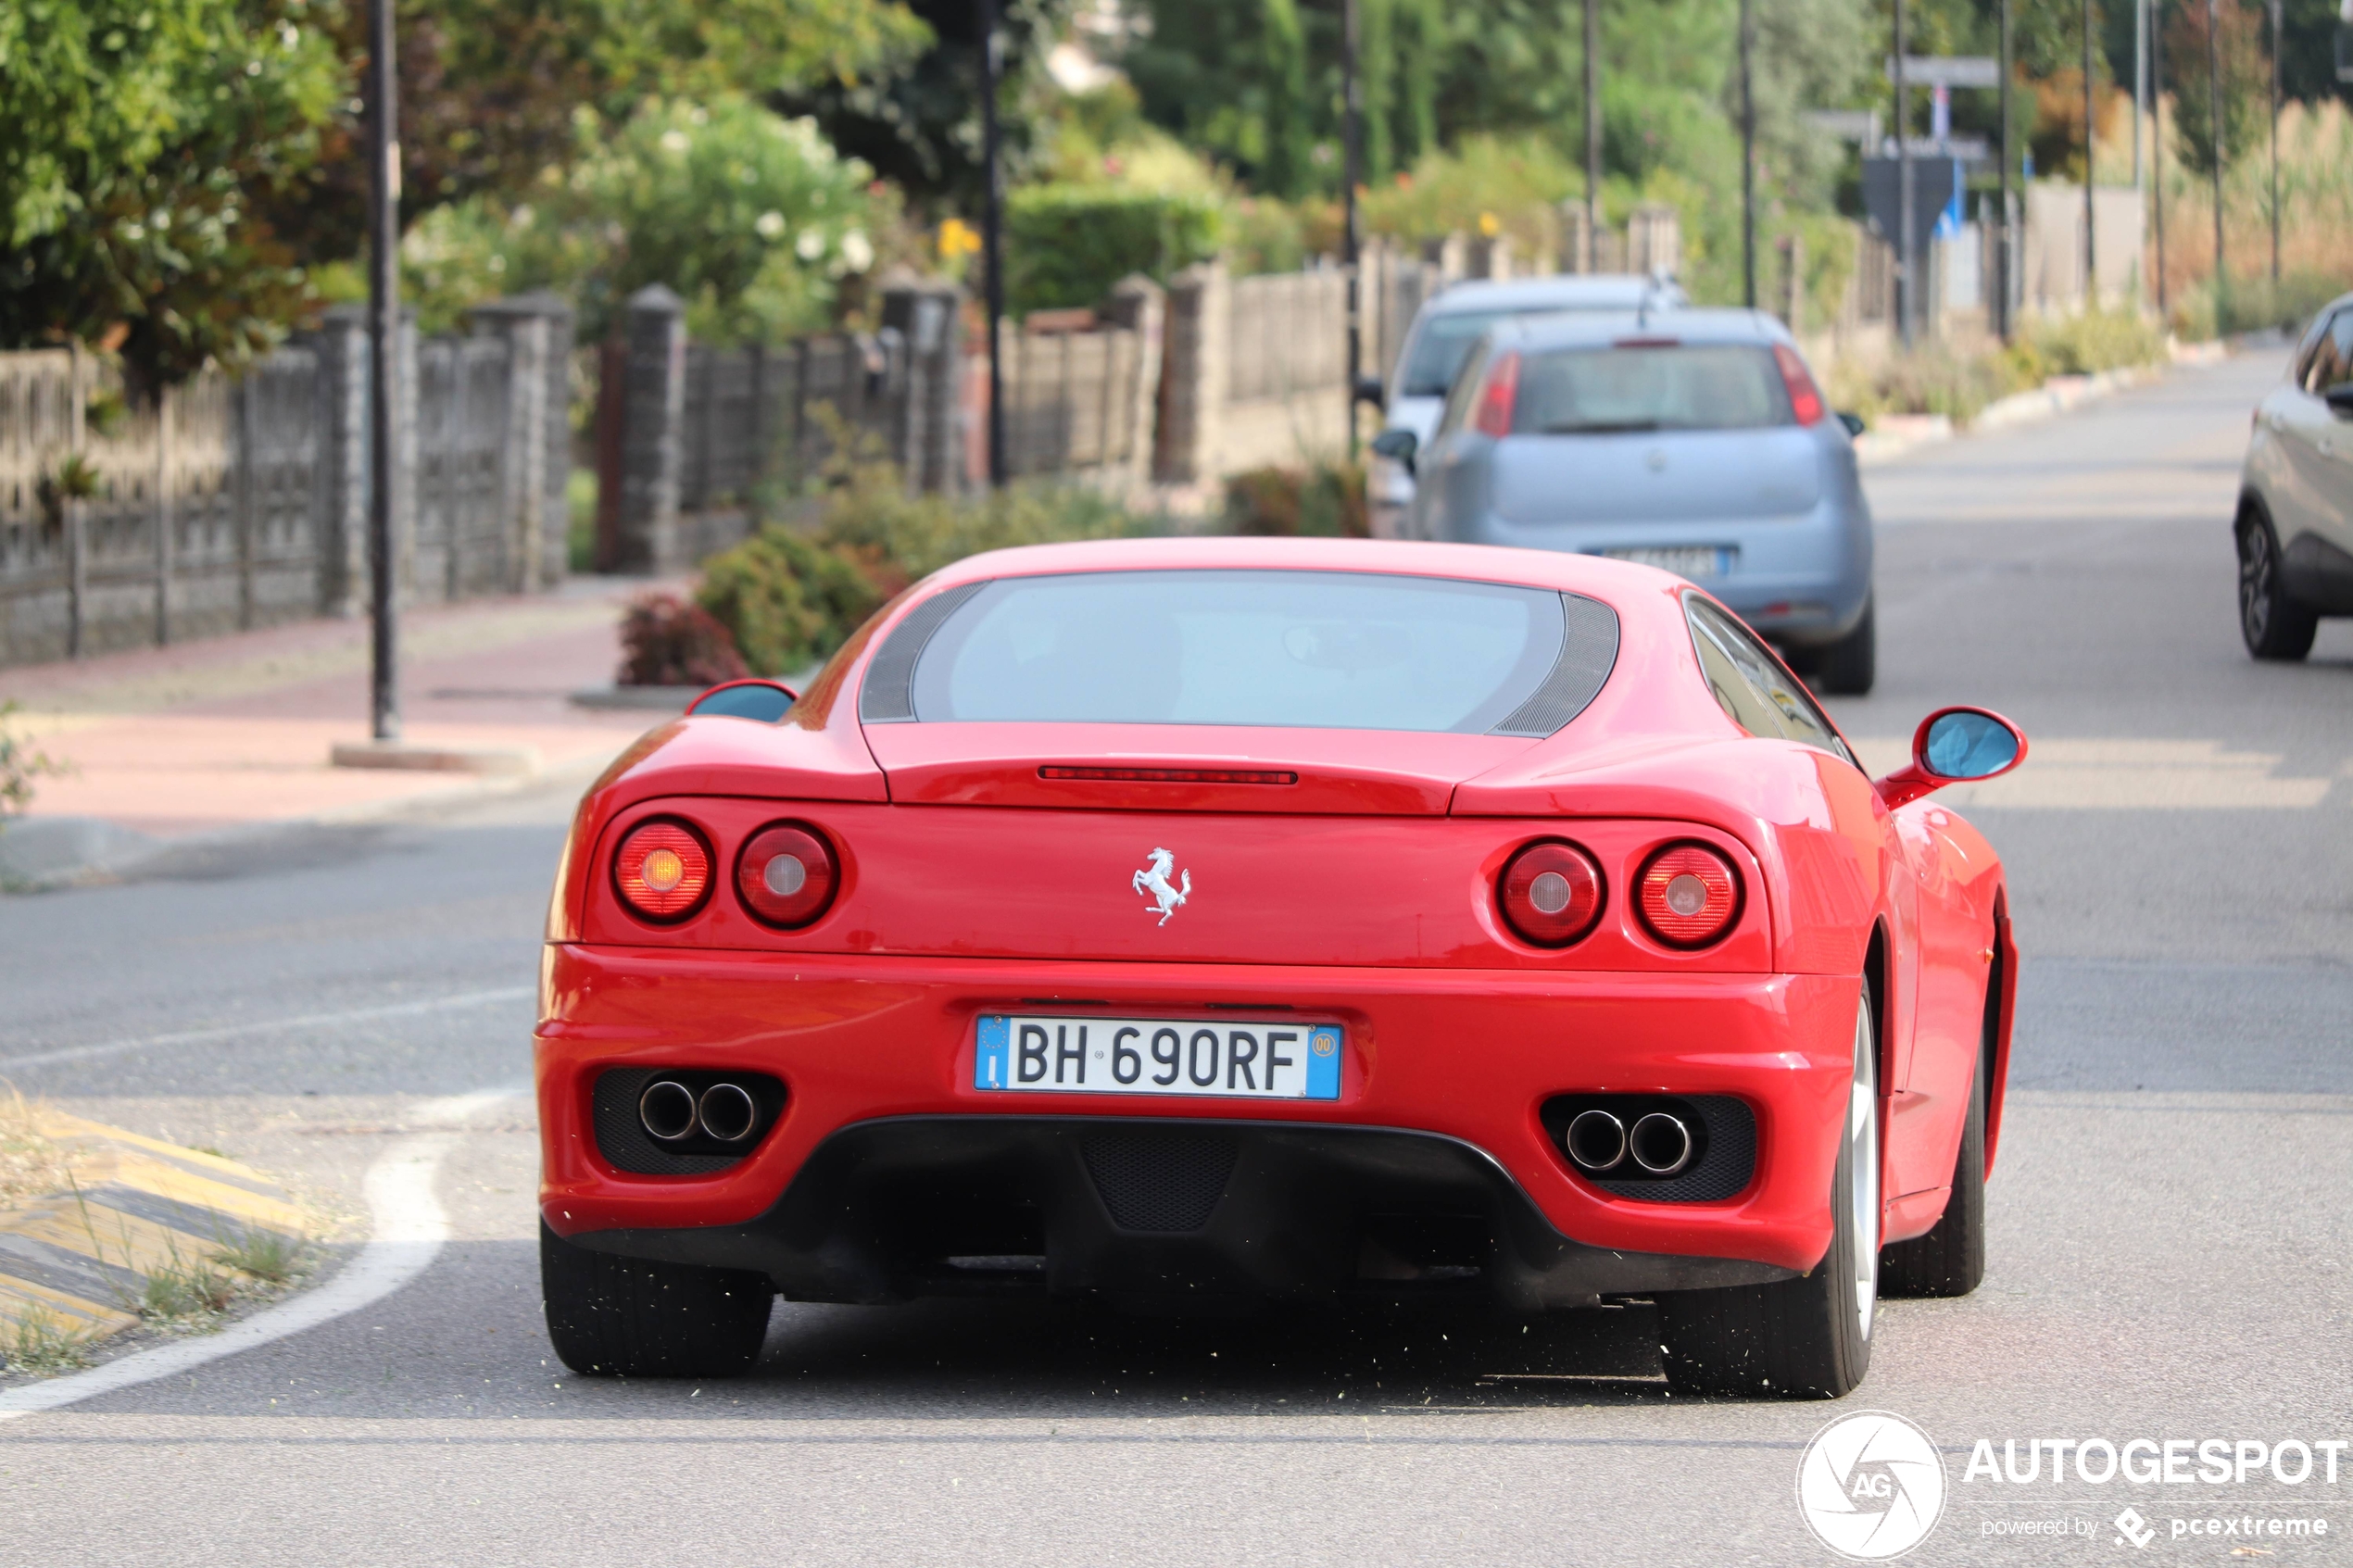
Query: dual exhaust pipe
672	1113
1659	1144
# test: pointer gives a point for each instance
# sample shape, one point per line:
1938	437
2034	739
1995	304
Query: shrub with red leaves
667	641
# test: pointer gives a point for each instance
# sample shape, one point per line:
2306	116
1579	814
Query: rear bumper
1443	1075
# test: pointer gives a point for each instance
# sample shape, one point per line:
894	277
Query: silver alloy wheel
1862	1154
2255	570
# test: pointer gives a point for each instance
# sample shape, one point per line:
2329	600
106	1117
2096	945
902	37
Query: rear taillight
1550	893
786	874
1805	398
1689	896
1499	396
663	871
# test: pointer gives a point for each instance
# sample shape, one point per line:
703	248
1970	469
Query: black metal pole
992	237
1748	157
2277	21
1904	260
2214	129
2091	136
2002	268
383	325
1352	173
2156	140
1593	262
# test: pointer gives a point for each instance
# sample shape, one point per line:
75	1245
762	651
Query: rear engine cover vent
1159	1181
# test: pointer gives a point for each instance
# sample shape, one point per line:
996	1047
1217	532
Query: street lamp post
992	237
2277	21
2090	252
2002	270
2156	140
1593	262
384	320
1351	172
1748	156
1904	260
2214	130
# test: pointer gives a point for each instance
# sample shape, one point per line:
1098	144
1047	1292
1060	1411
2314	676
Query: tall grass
2316	229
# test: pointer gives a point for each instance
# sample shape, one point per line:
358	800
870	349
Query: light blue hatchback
1696	440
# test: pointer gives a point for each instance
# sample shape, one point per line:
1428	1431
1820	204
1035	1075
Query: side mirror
1368	390
1854	423
1397	446
2340	399
1955	745
766	701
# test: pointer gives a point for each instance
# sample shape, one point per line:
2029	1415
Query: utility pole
1352	172
2214	129
2157	142
2091	137
2140	79
2277	21
2002	270
383	327
1592	135
1748	156
1904	260
992	238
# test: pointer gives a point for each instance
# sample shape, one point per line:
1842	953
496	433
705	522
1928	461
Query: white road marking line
267	1025
408	1228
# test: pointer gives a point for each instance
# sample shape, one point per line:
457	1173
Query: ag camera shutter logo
1871	1486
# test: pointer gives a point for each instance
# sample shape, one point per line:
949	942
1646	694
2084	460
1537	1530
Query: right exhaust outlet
729	1113
1660	1143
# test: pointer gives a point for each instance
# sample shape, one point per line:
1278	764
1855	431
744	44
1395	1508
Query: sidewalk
235	731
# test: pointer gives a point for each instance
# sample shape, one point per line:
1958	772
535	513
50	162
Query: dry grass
2316	238
31	1165
42	1344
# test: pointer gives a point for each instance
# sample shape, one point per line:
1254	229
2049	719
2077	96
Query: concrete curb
75	1265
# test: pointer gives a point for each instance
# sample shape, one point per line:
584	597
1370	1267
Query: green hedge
1066	245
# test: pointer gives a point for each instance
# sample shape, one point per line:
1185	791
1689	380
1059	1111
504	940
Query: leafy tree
2246	83
143	147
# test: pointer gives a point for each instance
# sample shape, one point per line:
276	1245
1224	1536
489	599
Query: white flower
810	247
769	225
857	250
674	142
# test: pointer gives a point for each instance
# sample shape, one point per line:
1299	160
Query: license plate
1685	561
1225	1058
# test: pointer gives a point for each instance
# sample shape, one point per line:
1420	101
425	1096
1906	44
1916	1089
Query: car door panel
1950	968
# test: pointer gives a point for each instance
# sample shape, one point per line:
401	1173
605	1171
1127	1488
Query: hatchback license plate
1245	1059
1685	561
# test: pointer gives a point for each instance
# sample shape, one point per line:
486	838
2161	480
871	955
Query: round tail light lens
1551	893
1690	895
663	871
786	874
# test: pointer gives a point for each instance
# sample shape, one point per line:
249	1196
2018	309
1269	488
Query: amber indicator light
663	871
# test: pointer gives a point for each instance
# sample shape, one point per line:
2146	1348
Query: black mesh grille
622	1139
1159	1181
888	695
1589	649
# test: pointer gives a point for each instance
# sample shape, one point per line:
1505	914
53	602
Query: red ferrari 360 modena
1213	920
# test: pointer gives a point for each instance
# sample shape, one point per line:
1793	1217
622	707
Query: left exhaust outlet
668	1110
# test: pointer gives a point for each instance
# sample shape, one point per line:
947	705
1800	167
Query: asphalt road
2170	1236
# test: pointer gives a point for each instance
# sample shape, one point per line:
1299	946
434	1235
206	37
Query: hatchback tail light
1805	398
1500	397
663	870
1550	893
1689	896
786	874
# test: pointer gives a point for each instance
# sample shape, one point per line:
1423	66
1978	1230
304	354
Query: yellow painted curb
77	1262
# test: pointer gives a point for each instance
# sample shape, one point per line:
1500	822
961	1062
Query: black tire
1950	1260
2274	625
1803	1338
631	1318
1849	666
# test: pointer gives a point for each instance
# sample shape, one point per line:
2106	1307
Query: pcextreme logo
1871	1486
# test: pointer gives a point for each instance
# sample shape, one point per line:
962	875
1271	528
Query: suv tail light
1805	398
786	874
1499	396
1689	896
663	870
1550	893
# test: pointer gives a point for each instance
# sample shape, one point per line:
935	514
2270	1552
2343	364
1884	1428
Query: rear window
1309	650
1690	386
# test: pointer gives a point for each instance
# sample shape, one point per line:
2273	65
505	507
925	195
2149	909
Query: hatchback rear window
1309	650
1687	386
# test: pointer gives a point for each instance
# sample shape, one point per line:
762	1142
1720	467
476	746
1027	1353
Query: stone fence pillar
1196	349
653	419
1137	305
927	314
536	468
